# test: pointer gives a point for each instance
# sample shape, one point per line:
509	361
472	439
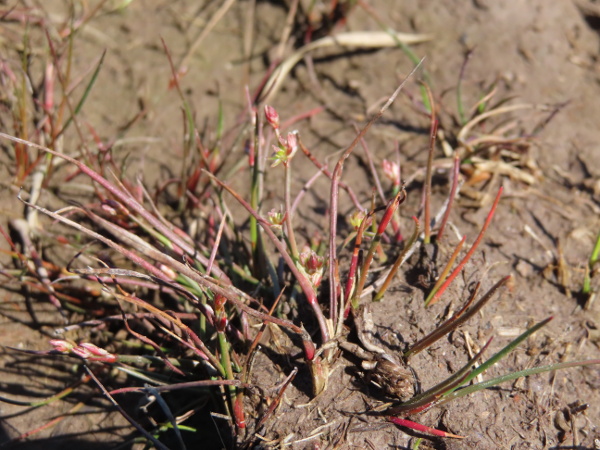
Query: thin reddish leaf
422	428
460	266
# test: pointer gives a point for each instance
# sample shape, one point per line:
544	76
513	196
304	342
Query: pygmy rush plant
216	295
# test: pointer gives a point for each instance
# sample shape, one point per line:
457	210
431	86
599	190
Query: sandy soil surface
536	53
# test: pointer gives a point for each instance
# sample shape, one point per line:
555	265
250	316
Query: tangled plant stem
202	281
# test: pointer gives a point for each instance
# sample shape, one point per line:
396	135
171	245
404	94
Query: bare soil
539	52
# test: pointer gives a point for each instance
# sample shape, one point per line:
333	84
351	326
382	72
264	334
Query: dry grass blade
466	130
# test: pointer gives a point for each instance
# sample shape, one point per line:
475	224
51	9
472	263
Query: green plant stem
254	186
502	353
302	280
596	252
587	282
226	364
429	169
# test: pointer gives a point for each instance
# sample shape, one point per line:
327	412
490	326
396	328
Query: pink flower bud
272	117
292	144
92	352
311	261
82	352
313	266
93	349
392	171
61	345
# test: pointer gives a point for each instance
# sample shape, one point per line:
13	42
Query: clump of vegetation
183	292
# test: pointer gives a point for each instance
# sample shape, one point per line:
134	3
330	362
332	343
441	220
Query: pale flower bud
292	144
356	219
93	349
392	171
272	117
169	272
276	219
61	345
82	352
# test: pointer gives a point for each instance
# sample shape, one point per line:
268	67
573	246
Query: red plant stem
455	172
305	115
127	199
425	429
446	270
389	212
303	281
328	173
154	345
132	299
372	167
457	319
216	244
275	403
354	263
335	180
304	190
238	409
232	294
385	220
461	265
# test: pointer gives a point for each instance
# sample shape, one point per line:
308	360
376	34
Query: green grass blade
502	353
84	97
421	401
587	282
514	375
